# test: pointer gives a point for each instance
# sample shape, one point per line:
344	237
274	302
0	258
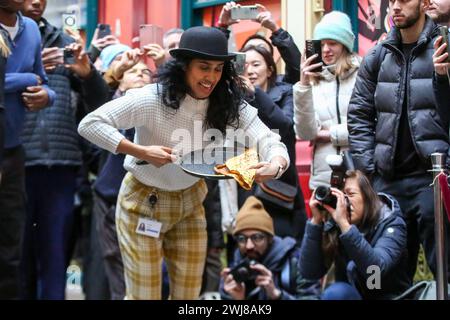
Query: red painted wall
164	13
132	13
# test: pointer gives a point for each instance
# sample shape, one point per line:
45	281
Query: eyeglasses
256	238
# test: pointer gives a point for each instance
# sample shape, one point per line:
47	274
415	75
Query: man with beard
393	123
272	262
439	11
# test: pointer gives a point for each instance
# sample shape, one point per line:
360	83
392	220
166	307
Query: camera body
243	273
339	165
244	13
314	47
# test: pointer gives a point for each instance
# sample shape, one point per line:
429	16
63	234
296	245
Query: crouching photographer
363	235
266	266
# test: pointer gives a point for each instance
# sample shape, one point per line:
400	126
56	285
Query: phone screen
149	33
244	13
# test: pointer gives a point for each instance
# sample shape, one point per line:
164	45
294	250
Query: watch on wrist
279	172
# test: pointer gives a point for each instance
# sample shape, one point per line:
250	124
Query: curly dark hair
224	102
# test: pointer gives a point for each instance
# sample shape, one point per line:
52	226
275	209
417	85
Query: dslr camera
243	273
339	165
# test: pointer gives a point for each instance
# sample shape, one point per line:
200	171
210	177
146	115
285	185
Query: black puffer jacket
290	54
376	105
213	214
50	136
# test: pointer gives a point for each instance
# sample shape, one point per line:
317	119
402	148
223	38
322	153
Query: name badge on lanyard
149	228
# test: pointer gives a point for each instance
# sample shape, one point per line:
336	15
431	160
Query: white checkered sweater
157	124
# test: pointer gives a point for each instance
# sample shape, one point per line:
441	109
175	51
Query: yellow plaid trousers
182	241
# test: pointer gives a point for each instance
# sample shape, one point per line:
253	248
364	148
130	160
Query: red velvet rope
445	193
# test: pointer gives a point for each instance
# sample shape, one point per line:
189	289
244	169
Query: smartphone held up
444	33
69	56
244	12
104	30
149	34
314	47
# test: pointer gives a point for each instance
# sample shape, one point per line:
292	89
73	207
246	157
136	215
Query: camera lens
70	21
324	195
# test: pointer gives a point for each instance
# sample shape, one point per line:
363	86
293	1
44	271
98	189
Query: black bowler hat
203	43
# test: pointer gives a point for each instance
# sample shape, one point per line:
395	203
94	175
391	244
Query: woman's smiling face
202	76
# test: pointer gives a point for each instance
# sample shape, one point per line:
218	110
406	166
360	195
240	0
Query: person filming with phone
441	79
266	266
233	13
366	243
322	95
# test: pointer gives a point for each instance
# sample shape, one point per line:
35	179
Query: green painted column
187	13
339	5
350	7
192	11
92	19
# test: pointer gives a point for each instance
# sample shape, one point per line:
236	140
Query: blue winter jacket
22	66
382	248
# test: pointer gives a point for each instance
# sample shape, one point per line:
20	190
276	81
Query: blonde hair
4	48
343	65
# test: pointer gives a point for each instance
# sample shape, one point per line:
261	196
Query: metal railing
438	160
